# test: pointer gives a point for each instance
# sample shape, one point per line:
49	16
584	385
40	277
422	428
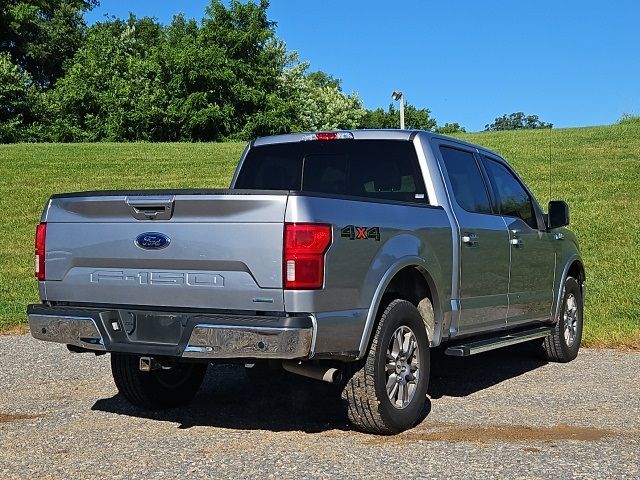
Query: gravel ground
500	414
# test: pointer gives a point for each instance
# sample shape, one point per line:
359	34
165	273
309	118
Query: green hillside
596	169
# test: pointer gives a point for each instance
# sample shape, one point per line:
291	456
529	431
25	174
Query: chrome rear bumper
221	341
79	331
197	336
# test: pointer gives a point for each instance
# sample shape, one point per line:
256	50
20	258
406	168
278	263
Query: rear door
483	242
212	249
532	250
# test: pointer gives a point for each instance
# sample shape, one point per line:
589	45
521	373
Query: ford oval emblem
152	240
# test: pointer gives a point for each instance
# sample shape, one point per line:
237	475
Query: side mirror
558	214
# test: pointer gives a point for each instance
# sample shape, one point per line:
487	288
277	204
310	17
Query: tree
321	79
17	96
335	110
449	128
414	118
517	121
315	100
138	80
113	89
379	118
253	59
42	35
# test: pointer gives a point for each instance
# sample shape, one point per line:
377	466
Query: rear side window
379	169
513	199
466	180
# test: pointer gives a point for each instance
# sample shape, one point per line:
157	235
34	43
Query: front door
532	251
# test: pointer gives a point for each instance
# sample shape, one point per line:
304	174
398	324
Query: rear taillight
41	233
303	260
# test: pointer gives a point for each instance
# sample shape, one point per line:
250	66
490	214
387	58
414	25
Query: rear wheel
563	344
161	388
387	392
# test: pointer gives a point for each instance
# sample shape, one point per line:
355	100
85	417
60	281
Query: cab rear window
378	169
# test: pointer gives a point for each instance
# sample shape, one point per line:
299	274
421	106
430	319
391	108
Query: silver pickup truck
342	256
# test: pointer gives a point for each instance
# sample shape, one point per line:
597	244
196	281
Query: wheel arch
411	280
573	267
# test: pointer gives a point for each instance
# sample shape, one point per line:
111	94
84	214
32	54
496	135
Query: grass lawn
596	169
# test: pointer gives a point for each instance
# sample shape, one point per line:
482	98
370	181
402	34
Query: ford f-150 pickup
344	256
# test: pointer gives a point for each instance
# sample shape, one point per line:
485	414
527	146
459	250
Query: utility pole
399	97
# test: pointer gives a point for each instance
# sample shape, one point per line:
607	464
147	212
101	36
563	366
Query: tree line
225	77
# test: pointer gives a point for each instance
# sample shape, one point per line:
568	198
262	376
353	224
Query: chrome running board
504	340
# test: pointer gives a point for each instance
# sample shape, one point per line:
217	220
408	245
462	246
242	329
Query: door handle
151	208
515	241
470	239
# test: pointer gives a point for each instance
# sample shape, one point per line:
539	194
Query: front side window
466	180
513	199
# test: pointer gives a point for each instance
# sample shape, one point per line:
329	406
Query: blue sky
573	63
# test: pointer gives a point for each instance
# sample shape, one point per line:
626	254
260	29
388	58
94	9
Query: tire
563	344
162	388
370	407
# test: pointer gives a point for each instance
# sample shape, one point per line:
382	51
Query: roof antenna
549	164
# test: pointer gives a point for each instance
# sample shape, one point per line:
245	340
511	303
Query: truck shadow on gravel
462	376
229	399
286	402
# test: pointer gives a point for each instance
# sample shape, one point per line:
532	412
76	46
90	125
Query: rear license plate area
158	328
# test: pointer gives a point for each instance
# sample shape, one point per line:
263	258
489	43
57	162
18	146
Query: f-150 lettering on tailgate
191	279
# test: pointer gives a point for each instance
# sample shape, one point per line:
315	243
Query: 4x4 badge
353	232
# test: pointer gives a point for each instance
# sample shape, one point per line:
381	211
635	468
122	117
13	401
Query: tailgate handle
151	208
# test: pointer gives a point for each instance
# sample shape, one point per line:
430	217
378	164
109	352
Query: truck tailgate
211	249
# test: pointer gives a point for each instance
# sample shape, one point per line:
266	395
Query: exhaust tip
317	372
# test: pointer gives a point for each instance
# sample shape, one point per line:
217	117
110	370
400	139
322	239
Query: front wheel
161	388
387	392
564	342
